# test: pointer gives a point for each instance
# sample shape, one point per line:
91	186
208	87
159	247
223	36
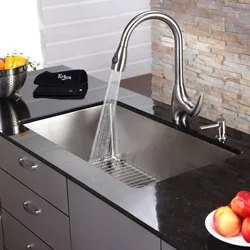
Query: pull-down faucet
181	104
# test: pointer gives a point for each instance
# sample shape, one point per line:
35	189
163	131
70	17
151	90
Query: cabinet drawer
18	237
34	174
44	220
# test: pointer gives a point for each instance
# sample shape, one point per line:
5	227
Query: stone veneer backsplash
216	56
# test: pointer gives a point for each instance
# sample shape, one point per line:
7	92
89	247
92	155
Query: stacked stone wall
216	56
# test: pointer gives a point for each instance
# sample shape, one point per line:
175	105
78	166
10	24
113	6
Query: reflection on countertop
12	111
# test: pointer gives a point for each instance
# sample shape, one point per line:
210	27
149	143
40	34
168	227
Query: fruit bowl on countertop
236	240
231	223
12	80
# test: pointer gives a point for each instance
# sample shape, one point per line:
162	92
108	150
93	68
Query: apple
241	204
245	230
226	222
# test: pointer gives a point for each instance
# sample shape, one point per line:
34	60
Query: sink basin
146	148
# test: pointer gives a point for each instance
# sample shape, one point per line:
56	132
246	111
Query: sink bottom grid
124	172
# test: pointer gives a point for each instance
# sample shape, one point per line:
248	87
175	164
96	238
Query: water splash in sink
104	138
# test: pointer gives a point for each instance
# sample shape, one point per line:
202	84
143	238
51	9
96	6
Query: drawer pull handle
31	208
27	164
30	247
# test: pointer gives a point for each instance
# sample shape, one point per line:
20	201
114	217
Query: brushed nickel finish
12	80
221	125
181	103
145	150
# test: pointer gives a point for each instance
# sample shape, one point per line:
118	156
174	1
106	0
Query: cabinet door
165	246
96	225
1	230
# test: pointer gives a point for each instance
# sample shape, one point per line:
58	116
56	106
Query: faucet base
181	120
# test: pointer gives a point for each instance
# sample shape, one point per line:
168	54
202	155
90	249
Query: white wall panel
85	34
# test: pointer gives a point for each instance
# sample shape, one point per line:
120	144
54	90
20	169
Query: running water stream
103	145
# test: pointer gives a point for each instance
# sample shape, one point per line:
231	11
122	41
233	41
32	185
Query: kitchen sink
147	149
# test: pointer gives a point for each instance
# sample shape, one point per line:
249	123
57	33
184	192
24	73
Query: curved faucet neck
180	101
120	57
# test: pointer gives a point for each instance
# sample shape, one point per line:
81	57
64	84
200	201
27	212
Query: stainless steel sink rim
147	149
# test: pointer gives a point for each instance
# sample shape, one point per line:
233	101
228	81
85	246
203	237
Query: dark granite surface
173	209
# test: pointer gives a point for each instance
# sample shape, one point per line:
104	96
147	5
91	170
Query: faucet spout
181	104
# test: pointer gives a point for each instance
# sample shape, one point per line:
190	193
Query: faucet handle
197	108
181	104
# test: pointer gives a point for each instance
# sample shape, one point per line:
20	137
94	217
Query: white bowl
237	240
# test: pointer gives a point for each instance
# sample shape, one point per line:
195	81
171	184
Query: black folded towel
71	84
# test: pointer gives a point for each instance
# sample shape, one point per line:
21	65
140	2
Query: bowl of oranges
13	73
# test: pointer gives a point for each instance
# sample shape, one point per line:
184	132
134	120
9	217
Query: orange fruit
1	64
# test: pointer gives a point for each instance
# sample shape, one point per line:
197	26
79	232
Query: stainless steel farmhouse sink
146	149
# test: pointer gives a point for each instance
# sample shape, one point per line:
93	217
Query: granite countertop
173	209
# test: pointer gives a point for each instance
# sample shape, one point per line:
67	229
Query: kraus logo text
64	77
